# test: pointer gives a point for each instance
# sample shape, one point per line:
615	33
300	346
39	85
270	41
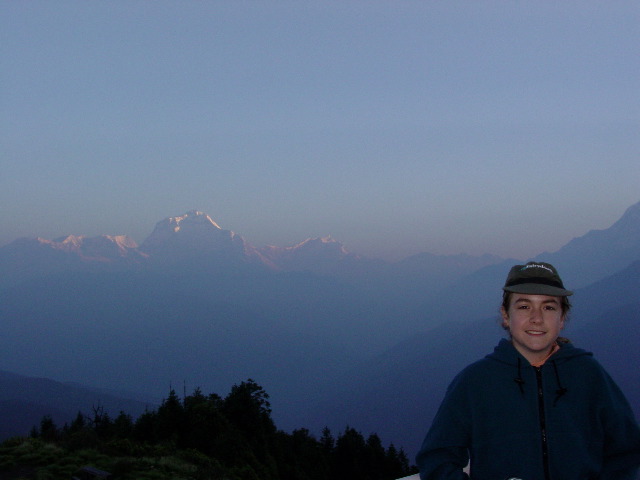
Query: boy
537	408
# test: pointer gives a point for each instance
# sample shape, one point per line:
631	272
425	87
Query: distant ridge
599	253
25	400
194	242
195	239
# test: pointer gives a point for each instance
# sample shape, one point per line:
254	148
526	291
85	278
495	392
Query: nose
536	315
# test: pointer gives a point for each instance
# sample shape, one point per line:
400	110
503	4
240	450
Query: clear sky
397	127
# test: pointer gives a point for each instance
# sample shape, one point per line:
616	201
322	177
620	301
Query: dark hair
565	304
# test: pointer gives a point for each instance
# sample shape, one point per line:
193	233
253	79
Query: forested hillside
198	437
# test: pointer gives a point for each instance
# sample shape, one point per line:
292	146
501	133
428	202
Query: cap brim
538	289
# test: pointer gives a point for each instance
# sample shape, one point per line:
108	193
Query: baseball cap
535	278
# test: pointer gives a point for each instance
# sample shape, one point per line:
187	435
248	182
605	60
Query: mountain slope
599	253
582	262
25	400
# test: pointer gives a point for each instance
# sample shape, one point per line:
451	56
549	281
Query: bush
124	448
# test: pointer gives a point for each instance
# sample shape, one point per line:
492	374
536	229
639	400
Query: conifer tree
170	418
48	429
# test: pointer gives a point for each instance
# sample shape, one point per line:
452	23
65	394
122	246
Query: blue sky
504	127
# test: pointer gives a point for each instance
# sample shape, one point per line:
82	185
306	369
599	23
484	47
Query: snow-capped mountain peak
81	243
325	244
196	239
191	219
323	255
193	229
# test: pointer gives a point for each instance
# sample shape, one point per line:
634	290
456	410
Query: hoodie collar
505	352
554	349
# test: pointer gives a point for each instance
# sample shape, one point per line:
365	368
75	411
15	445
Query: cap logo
537	265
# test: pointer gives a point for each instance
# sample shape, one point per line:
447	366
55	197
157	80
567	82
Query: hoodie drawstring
519	380
561	390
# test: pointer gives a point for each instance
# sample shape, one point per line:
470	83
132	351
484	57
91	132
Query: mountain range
334	337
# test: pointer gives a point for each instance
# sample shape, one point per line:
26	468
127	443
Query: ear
505	317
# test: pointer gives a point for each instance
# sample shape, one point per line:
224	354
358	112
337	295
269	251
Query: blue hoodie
565	420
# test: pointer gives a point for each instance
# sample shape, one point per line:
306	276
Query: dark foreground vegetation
200	437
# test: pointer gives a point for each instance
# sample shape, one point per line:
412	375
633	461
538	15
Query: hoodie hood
505	352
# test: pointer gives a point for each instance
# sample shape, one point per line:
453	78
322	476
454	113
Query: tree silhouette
48	429
232	437
350	452
170	419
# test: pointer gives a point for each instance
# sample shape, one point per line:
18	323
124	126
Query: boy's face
534	322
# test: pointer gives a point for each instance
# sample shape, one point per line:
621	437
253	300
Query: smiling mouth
535	332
